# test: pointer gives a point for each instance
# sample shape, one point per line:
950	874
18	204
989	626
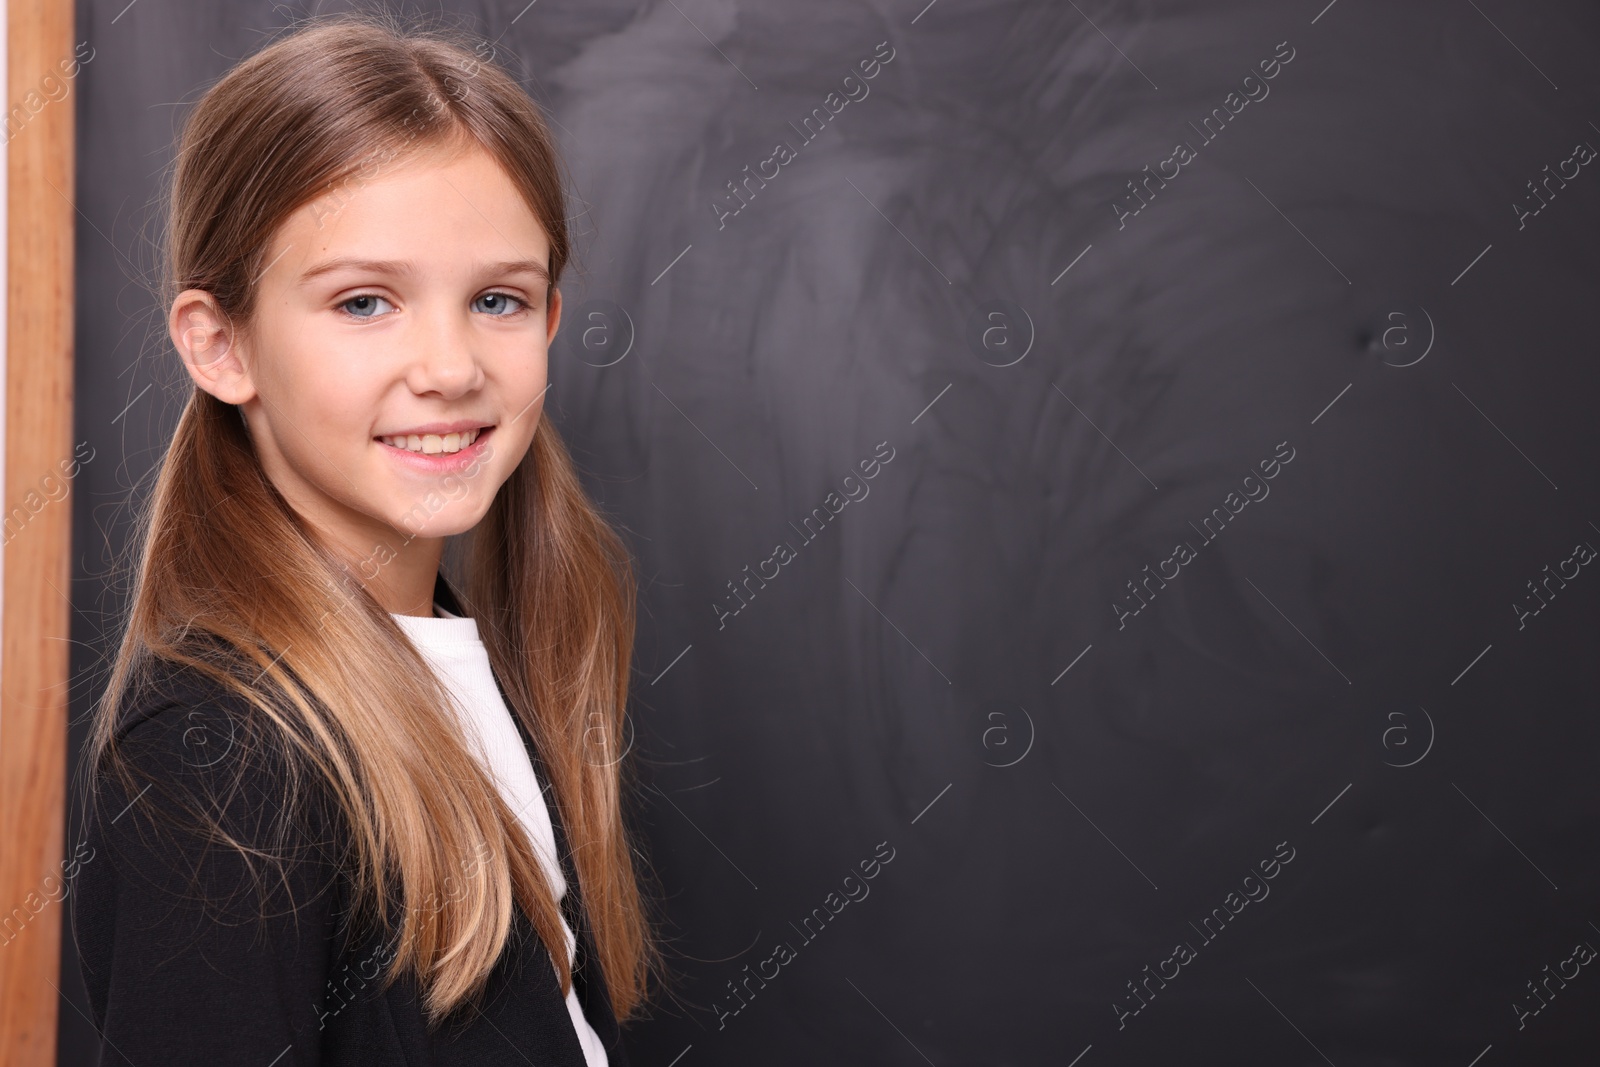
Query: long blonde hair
231	582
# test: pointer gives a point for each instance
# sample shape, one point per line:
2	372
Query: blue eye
365	299
496	304
506	308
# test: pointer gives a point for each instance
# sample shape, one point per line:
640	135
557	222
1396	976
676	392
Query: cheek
322	374
324	396
345	405
527	365
524	378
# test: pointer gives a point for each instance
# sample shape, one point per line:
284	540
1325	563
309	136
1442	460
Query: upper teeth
432	442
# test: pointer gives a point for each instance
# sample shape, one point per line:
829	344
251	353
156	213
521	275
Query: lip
440	428
441	462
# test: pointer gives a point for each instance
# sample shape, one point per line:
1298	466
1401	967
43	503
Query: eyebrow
405	267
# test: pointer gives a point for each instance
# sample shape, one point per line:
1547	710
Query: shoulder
205	821
215	917
197	762
176	716
161	693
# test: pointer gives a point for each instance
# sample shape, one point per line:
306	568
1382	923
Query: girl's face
394	373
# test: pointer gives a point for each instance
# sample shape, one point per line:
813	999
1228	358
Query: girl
333	791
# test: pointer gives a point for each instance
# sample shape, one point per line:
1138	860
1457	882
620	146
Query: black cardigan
181	968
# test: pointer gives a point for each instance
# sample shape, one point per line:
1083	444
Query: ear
552	320
210	347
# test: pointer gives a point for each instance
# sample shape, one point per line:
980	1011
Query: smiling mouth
432	443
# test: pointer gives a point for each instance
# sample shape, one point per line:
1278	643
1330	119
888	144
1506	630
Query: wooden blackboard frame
34	628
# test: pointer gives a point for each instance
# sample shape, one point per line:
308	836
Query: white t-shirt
451	646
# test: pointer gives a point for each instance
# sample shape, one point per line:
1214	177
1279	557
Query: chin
437	516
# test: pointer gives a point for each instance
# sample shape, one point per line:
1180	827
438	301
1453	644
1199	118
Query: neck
404	585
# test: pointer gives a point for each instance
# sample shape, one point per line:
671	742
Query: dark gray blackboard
1349	673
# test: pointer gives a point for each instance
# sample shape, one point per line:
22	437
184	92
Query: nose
446	360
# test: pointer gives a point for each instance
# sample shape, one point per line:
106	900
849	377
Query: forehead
437	208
